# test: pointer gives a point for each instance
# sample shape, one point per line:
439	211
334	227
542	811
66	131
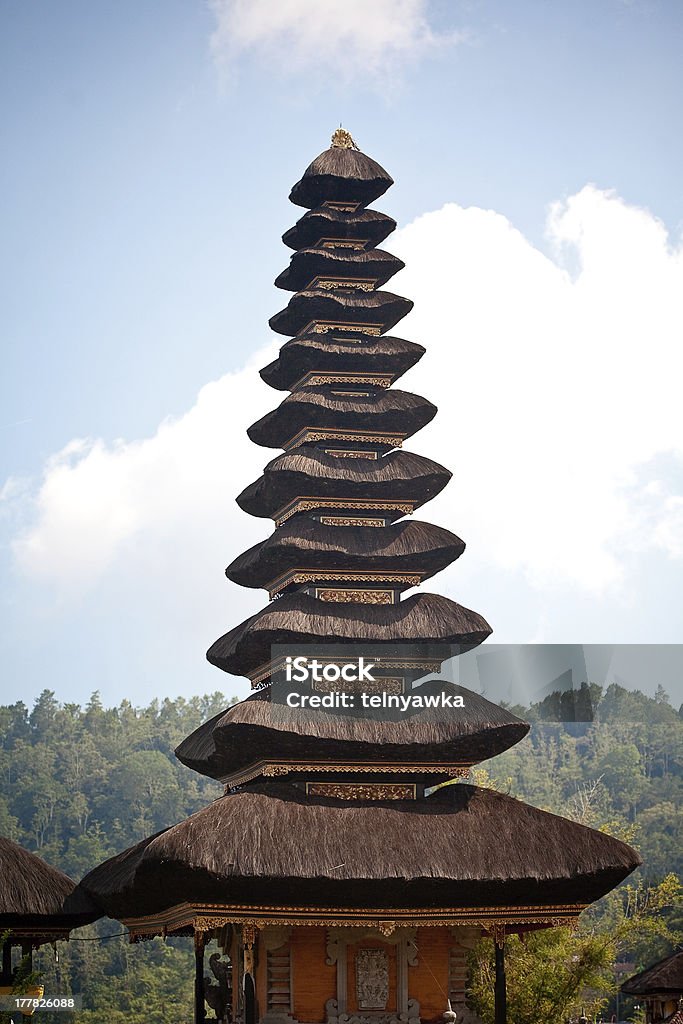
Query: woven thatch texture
309	471
408	545
426	620
390	411
664	976
383	309
365	263
257	729
326	222
341	174
386	354
32	893
270	843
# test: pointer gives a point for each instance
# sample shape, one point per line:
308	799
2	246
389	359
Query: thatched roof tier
374	310
37	900
339	175
378	412
327	224
255	729
409	546
270	844
308	471
387	355
665	977
298	620
374	266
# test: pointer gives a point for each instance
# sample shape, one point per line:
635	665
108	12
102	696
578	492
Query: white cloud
345	37
556	393
556	390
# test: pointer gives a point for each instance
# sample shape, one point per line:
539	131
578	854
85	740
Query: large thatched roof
373	412
299	620
386	354
666	976
271	844
373	264
36	898
260	728
405	546
310	471
378	309
338	175
326	222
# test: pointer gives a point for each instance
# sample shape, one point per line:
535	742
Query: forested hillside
79	784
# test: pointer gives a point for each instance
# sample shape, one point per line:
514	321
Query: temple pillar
249	932
500	988
199	1007
6	975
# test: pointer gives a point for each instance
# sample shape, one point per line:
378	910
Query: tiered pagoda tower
342	886
343	553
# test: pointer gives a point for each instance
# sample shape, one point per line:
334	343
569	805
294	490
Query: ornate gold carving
325	326
277	769
497	932
345	206
383	684
206	917
309	434
341	243
345	453
319	379
315	576
350	521
363	791
330	284
310	504
348	596
342	139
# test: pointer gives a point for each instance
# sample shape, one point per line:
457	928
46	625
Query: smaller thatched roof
406	546
260	728
308	471
338	175
373	264
377	412
666	976
37	899
377	309
387	354
327	222
428	621
272	845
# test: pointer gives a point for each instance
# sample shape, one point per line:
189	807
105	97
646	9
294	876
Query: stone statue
218	994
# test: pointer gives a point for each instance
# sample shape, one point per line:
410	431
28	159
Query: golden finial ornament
342	139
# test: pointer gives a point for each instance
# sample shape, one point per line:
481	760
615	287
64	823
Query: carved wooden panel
279	980
372	979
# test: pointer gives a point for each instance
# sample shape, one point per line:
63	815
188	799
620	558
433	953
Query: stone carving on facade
412	1016
372	979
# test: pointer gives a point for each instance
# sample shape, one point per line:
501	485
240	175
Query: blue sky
148	152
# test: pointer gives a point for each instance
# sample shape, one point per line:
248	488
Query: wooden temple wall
313	980
429	980
297	979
